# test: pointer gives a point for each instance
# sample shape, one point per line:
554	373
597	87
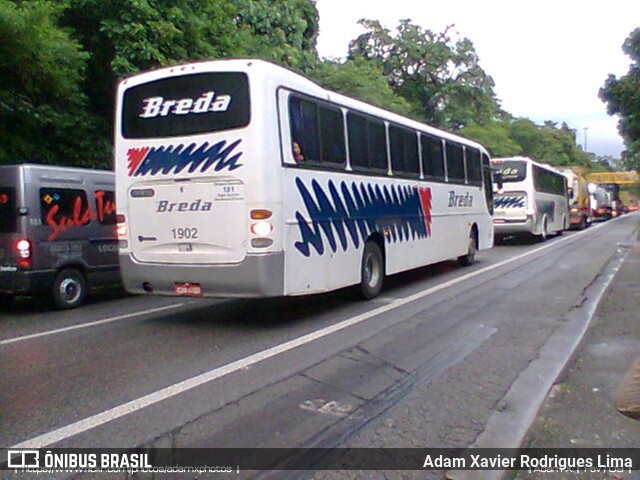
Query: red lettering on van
77	218
104	207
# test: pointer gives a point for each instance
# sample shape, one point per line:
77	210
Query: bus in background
57	232
533	199
579	206
241	178
601	203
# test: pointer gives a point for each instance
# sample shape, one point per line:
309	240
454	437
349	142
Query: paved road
426	364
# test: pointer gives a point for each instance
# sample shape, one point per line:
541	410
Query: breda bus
533	199
241	178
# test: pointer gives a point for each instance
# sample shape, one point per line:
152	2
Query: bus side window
332	136
304	130
455	162
404	151
432	160
474	166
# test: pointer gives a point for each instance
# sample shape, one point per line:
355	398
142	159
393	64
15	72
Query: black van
57	232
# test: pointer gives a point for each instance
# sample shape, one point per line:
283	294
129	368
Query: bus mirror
497	179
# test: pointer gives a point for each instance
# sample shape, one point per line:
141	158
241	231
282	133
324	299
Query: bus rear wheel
470	257
371	271
69	288
545	232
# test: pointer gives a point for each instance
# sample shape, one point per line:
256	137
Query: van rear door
8	224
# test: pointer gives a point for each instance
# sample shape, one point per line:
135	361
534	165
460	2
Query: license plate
188	289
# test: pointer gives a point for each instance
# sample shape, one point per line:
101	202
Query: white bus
533	199
241	178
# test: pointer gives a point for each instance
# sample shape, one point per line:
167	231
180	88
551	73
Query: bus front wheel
371	271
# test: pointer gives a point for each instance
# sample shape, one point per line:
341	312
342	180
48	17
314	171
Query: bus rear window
8	210
512	171
186	105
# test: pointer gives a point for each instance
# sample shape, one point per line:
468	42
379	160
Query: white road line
60	434
89	324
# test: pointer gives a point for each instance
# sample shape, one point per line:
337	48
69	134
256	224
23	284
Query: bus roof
289	79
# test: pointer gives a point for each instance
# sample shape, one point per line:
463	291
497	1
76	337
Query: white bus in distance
241	178
533	199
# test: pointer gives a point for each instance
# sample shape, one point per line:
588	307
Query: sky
548	58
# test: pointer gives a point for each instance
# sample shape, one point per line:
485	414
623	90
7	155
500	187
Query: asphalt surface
580	410
428	364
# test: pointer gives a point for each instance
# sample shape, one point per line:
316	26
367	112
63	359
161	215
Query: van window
106	207
8	211
64	206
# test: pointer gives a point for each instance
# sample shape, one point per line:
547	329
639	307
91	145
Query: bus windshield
186	105
512	170
8	212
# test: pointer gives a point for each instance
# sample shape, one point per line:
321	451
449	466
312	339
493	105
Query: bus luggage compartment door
188	222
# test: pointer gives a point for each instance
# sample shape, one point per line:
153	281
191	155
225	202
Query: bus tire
371	271
545	232
69	289
470	258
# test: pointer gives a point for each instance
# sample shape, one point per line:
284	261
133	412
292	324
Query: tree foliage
438	75
61	60
43	114
520	136
360	79
622	96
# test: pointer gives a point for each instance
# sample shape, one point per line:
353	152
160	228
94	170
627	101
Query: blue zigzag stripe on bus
509	202
400	212
174	159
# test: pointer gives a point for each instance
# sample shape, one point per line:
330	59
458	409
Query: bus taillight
261	214
122	232
262	229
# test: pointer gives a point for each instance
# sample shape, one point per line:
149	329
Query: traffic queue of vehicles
57	224
238	178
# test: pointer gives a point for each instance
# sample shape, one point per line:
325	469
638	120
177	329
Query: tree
494	135
43	110
283	31
622	96
360	79
438	75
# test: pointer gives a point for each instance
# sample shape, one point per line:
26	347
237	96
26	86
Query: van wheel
371	271
69	288
470	257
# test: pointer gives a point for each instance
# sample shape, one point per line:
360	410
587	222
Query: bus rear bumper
507	227
255	276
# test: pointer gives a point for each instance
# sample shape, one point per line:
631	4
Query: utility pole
585	137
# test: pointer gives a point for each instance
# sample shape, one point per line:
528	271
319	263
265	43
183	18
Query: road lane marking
94	421
89	324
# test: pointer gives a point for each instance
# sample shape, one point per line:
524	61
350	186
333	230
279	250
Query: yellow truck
579	205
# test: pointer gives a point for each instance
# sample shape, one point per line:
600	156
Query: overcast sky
548	58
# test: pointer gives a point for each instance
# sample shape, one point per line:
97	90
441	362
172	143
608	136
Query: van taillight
121	226
23	249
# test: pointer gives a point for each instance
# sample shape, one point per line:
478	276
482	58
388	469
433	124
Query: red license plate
188	289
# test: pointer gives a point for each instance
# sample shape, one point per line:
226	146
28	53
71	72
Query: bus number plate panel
187	289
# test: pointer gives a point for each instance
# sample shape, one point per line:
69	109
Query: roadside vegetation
60	62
